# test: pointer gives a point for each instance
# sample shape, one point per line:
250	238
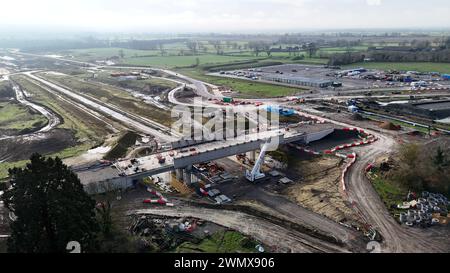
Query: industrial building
295	80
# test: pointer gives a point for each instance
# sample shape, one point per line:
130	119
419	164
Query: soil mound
358	117
389	126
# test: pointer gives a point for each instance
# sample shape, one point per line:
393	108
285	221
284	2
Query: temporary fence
161	200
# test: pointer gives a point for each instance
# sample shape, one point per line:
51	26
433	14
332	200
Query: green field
183	61
389	192
5	166
153	57
18	117
421	67
103	53
342	49
220	242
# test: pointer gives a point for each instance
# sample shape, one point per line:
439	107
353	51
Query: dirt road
397	238
120	116
52	118
275	236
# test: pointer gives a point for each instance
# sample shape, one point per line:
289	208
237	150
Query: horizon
213	16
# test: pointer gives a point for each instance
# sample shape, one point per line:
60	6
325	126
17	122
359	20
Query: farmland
154	58
183	61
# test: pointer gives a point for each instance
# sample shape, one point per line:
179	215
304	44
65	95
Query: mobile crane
256	173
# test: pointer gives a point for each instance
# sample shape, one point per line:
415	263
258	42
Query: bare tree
192	45
312	49
161	49
121	54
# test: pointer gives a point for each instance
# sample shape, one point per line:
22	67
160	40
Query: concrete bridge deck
125	171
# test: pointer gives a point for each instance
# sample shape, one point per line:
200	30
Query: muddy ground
21	148
338	137
317	188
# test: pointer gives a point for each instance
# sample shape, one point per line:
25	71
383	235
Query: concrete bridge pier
187	175
252	155
179	174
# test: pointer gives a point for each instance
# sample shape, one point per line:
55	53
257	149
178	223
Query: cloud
224	15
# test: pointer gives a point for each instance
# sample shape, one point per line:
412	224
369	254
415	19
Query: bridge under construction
124	173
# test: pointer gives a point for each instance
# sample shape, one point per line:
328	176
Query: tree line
418	51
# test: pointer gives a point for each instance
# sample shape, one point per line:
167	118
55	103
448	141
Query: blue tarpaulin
279	110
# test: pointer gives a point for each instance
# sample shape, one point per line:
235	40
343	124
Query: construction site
321	189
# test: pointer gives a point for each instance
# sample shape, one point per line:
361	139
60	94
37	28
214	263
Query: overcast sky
224	16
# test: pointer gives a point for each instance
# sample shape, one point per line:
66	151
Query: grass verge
220	242
390	193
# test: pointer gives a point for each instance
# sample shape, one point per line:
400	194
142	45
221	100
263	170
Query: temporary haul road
396	238
122	116
53	119
285	239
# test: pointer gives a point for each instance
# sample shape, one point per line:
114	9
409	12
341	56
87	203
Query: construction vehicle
242	158
227	100
256	173
161	159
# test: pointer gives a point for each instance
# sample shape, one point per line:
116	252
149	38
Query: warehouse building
294	80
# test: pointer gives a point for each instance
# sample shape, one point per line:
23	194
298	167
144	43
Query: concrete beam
214	154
